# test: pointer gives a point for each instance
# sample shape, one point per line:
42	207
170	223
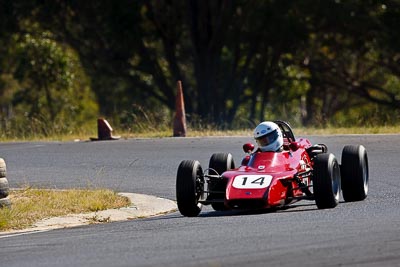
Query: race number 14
252	181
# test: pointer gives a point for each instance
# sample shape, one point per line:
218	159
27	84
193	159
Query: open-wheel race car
273	179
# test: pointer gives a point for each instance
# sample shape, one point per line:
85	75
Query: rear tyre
355	173
218	206
326	181
220	162
189	188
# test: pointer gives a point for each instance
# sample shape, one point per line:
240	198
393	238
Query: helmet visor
267	139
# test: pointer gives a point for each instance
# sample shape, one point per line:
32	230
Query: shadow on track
294	208
211	213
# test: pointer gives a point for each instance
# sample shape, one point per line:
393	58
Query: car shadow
286	209
294	208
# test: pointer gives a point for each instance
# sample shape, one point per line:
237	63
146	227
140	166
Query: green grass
31	205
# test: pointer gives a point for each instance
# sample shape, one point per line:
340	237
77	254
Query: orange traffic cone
104	130
180	116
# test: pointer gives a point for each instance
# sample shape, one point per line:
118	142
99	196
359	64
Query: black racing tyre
3	168
189	187
355	173
4	187
326	181
5	203
220	162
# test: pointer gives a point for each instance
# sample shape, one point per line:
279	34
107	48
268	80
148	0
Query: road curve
363	233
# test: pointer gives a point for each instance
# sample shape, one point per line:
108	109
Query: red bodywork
267	179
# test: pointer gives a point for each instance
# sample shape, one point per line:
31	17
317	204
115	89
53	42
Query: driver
269	137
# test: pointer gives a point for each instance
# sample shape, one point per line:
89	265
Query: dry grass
352	130
85	135
249	132
246	132
31	205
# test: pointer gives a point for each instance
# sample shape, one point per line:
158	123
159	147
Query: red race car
273	179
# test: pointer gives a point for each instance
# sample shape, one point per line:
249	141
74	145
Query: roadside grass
208	132
347	130
302	131
30	205
84	135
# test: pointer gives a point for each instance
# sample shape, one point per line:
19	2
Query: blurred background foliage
321	63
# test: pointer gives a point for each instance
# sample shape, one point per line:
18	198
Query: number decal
259	181
252	181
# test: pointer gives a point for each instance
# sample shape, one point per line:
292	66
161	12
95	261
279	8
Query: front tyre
326	181
355	173
189	188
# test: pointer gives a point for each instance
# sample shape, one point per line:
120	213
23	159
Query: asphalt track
363	233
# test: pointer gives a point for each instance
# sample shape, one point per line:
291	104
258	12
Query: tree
52	85
346	63
303	60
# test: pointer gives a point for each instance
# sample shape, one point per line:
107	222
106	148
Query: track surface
363	233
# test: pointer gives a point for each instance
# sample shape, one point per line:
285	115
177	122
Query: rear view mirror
248	148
